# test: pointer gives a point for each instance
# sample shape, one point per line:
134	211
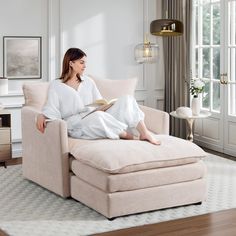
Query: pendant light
146	52
166	27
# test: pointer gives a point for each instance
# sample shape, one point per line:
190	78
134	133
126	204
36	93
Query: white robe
64	102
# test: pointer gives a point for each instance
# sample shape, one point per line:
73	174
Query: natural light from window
214	59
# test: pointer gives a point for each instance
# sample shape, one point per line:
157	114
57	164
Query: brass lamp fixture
146	52
166	27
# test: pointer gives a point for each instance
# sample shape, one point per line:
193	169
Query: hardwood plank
13	161
219	154
2	233
212	224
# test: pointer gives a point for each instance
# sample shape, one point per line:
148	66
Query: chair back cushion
35	93
110	88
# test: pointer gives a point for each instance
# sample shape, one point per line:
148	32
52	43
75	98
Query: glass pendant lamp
146	52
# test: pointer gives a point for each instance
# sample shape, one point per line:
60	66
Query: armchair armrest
156	121
45	156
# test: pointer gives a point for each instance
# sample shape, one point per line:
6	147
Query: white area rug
26	209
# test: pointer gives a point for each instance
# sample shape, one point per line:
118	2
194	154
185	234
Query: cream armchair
140	175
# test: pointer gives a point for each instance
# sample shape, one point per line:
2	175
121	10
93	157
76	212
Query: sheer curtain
177	61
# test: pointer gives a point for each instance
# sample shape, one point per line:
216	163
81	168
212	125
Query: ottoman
121	177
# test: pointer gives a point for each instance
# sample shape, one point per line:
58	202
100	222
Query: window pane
206	96
232	65
216	96
206	62
196	26
232	99
206	24
216	63
232	23
196	63
216	24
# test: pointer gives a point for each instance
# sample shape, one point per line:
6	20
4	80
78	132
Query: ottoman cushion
139	179
124	156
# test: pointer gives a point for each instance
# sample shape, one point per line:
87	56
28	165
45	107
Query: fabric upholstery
110	89
139	179
45	156
140	200
122	156
156	121
35	94
126	176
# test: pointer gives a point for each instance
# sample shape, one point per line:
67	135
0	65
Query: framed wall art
22	57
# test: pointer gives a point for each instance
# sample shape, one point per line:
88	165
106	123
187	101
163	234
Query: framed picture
22	57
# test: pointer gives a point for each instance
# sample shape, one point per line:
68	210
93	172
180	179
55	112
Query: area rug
28	209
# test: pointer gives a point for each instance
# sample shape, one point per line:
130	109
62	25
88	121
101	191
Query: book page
100	102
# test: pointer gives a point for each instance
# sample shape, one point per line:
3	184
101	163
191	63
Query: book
100	102
100	105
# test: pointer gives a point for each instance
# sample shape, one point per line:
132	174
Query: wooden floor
13	161
3	233
222	223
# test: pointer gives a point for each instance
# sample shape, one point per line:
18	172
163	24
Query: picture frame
22	57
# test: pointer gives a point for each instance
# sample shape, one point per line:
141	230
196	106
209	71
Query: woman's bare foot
126	135
148	137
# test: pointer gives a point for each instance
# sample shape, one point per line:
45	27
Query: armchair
137	177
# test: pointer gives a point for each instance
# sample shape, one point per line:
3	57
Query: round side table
190	121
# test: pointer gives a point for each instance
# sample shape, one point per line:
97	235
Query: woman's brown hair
71	54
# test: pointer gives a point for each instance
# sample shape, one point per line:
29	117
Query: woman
69	95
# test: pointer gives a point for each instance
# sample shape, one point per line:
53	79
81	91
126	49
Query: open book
100	102
100	105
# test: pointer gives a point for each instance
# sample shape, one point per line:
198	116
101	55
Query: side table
5	136
190	121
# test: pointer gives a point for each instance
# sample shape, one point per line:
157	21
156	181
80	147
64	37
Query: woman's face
79	65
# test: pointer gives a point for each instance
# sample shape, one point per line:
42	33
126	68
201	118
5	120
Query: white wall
21	18
107	30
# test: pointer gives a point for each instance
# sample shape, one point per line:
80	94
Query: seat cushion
139	179
123	156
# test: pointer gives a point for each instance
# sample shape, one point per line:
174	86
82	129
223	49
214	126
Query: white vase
3	86
196	106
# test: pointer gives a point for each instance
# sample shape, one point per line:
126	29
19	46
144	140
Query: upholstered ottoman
116	177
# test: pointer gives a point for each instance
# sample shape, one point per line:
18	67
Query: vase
196	106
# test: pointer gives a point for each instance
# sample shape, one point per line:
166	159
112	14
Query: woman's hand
41	123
